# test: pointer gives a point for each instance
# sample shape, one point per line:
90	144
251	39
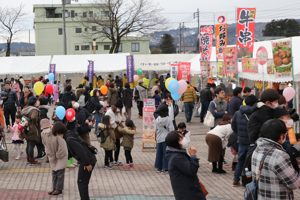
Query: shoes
41	156
158	170
50	193
221	171
164	172
17	158
214	171
71	166
116	163
236	183
108	167
56	192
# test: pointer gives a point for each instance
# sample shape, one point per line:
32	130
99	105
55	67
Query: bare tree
9	24
118	18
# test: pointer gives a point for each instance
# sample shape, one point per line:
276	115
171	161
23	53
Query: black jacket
44	112
183	174
175	108
93	104
79	149
67	98
10	99
205	95
234	105
82	115
239	124
257	119
127	97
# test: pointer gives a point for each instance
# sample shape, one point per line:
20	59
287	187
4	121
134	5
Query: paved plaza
19	181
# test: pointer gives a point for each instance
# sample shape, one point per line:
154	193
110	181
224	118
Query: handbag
203	189
209	119
3	150
252	188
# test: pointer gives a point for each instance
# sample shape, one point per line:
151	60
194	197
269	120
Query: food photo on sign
282	57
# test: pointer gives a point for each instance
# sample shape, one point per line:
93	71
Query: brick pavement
19	181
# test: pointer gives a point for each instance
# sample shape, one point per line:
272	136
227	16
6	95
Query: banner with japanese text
130	68
249	65
245	31
220	67
282	57
52	69
174	70
149	120
230	58
90	71
205	68
206	41
221	39
184	71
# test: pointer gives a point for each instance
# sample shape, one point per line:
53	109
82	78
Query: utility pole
197	15
64	25
179	37
29	36
183	37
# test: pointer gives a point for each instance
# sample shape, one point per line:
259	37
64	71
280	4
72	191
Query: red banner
206	42
184	71
230	58
245	30
221	39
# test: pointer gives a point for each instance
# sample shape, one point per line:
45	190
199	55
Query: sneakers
108	167
17	158
41	156
71	166
236	184
116	163
56	192
221	171
33	162
214	171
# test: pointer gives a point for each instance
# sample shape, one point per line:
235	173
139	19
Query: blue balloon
51	77
175	96
173	86
60	112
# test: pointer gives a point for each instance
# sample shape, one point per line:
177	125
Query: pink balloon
289	93
182	86
136	77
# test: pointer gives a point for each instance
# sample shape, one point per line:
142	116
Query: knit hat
45	123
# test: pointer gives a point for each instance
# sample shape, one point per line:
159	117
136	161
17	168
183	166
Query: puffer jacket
112	97
67	98
128	137
33	115
234	105
56	150
239	123
10	99
189	96
110	139
93	104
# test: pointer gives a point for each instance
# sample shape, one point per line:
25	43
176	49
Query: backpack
101	135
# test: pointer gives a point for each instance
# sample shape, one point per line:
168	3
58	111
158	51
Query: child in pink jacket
16	131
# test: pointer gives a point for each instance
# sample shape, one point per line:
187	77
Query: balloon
92	93
182	86
173	86
167	82
139	72
70	114
104	90
289	93
51	77
38	88
175	96
49	89
60	112
136	77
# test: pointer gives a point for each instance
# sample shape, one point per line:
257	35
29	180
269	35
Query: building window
135	47
84	14
85	29
76	15
120	48
91	14
106	47
78	30
94	28
85	47
60	31
96	47
105	13
76	47
72	13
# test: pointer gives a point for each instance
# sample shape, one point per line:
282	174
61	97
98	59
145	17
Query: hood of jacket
171	150
247	109
162	121
265	142
28	109
47	132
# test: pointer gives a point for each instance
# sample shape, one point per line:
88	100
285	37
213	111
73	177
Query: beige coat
56	150
128	137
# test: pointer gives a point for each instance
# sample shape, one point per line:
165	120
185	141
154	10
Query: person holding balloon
189	98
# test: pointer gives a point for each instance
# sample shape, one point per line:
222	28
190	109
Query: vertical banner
221	39
205	68
90	71
52	69
230	63
249	65
206	41
174	70
245	31
130	68
282	57
184	71
149	120
220	66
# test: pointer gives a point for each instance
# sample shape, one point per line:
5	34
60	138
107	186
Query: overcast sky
176	11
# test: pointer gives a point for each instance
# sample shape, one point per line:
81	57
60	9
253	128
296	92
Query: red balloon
70	114
49	89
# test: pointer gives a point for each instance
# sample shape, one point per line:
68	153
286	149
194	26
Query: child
185	134
107	135
57	152
16	137
128	137
157	98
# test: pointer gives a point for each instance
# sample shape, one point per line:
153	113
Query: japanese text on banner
90	71
221	39
148	119
206	41
130	68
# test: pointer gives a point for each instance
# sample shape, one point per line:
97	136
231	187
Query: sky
178	11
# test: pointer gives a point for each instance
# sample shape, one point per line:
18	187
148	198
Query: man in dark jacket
236	101
239	126
87	159
10	100
67	97
205	99
269	102
127	97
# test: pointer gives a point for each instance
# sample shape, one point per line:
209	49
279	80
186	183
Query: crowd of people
254	128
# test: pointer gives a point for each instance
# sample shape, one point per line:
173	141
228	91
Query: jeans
10	115
140	105
204	108
83	182
161	162
30	149
128	156
242	153
188	109
108	157
40	149
58	178
117	150
97	120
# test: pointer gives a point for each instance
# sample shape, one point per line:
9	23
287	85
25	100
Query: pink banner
184	71
206	42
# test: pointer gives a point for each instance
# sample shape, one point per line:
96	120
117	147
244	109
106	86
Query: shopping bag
209	119
3	150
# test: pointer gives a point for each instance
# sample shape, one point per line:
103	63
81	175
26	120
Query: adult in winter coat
113	96
236	101
183	169
127	97
239	126
25	96
140	93
218	106
94	107
277	178
189	98
205	99
67	97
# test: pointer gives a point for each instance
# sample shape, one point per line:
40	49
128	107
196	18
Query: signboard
230	63
270	67
149	120
220	67
262	55
52	69
184	71
282	57
90	71
206	41
245	31
205	68
249	65
221	39
174	71
130	68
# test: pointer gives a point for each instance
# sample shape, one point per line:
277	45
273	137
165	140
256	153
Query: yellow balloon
38	88
92	93
167	82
